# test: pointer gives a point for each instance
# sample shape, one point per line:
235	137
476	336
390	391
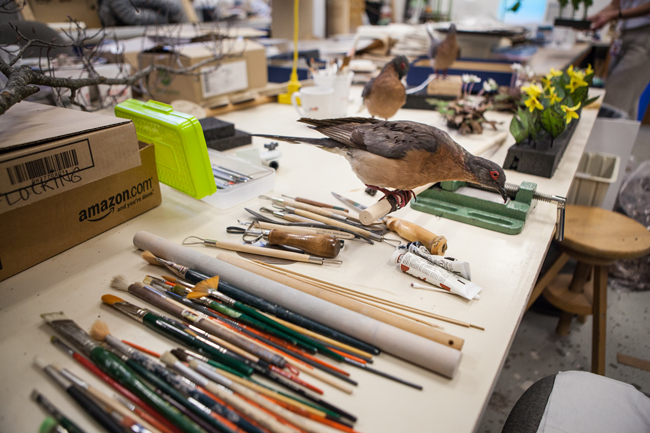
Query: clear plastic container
263	181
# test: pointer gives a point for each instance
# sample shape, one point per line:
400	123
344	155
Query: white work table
505	266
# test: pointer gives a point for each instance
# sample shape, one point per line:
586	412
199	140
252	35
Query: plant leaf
517	129
579	94
553	122
589	101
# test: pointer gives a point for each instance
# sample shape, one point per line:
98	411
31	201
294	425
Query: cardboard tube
429	354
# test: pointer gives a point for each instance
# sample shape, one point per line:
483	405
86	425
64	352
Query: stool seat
603	234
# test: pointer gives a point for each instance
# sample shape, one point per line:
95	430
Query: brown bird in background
442	54
400	154
385	94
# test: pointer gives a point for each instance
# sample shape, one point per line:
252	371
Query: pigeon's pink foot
400	198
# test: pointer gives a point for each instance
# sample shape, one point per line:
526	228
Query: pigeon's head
452	29
401	65
489	174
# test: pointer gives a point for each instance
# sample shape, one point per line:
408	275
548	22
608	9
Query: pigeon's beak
503	193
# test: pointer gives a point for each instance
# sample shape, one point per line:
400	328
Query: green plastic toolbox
181	153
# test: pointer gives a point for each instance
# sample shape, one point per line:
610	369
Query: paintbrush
115	368
173	329
124	417
55	413
259	303
210	287
300	360
144	415
147	413
252	412
212	374
192	316
80	396
173	384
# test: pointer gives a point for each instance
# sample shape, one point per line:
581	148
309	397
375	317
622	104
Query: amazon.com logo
118	202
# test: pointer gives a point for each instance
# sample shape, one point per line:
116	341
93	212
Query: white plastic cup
341	85
316	102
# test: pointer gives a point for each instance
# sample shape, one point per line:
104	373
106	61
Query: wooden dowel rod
383	208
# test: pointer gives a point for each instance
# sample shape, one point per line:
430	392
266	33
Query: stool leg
564	324
600	321
555	269
580	277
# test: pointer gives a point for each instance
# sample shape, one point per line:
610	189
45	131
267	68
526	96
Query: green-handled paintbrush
115	368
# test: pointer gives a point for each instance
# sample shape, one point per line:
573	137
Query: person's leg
630	73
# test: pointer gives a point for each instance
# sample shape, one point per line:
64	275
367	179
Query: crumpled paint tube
415	265
450	264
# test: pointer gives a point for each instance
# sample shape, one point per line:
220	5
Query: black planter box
575	24
540	159
418	101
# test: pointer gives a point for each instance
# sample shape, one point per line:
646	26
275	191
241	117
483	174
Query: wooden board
641	364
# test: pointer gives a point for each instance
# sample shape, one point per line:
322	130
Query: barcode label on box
46	165
228	77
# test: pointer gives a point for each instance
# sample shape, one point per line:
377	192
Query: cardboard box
46	150
242	68
57	11
40	230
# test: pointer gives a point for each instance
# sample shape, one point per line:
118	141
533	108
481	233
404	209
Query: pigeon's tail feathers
321	142
320	123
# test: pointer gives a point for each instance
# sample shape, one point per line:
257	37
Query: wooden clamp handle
413	232
318	245
383	208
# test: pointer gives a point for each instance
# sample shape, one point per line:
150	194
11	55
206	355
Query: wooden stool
596	238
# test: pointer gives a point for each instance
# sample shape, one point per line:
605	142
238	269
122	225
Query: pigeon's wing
367	88
340	129
433	50
396	139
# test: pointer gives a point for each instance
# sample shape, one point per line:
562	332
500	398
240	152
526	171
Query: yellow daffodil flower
576	81
570	112
555	73
589	70
575	73
546	81
533	103
533	90
553	98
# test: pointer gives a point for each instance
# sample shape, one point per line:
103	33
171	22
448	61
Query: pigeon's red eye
494	174
402	65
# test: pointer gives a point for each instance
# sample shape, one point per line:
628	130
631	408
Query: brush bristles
196	295
110	299
99	330
40	362
150	258
119	282
205	285
147	280
179	290
168	359
181	355
53	317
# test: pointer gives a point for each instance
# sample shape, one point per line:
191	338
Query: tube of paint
450	264
415	265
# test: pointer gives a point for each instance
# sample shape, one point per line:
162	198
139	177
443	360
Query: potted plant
583	24
543	128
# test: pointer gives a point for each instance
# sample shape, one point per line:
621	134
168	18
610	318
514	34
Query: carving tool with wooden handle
330	213
317	203
364	232
408	230
261	251
318	245
302	230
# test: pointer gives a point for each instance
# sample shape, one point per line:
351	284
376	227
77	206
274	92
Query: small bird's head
401	65
489	174
452	29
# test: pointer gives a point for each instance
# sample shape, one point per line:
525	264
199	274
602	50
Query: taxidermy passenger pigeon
385	94
442	54
401	155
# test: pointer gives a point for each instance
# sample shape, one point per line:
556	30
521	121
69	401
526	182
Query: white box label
228	77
